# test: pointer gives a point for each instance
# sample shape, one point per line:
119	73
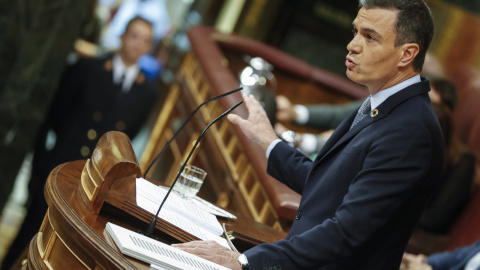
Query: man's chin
354	77
136	56
350	74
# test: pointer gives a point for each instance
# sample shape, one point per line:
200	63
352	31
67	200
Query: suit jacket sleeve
393	168
456	259
294	167
325	116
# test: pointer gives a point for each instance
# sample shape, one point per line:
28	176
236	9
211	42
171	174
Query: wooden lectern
82	196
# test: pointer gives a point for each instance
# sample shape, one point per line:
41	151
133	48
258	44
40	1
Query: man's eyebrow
371	31
368	30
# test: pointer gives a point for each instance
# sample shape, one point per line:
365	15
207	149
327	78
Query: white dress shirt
473	263
123	73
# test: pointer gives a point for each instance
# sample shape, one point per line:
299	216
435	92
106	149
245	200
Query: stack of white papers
179	212
211	208
205	205
154	252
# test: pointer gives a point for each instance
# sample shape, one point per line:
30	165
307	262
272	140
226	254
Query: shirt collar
379	97
119	70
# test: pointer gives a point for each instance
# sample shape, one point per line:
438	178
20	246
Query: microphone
185	123
151	226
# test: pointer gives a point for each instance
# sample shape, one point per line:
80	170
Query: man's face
136	41
373	59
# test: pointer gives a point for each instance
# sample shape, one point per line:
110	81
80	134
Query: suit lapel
343	133
341	130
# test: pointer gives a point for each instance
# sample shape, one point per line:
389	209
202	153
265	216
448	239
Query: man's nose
354	46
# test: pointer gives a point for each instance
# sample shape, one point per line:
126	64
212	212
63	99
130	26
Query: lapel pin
374	113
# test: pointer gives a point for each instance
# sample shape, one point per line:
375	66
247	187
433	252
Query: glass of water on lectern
189	182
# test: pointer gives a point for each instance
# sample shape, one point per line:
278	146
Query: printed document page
179	212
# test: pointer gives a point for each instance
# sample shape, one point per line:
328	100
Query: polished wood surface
113	158
72	234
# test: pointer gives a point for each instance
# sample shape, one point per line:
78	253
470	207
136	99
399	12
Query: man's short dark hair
135	19
414	24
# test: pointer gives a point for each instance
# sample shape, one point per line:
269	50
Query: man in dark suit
96	95
365	191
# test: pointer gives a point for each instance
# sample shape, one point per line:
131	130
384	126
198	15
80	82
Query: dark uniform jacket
87	105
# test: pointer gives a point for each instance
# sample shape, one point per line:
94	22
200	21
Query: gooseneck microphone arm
151	226
185	123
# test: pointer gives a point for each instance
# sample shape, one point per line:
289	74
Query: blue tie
362	112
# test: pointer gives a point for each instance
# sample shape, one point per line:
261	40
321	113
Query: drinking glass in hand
189	182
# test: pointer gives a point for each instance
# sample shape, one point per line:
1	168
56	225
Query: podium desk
72	233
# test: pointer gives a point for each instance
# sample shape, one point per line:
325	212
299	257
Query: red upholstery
467	81
463	77
467	112
467	126
466	230
474	144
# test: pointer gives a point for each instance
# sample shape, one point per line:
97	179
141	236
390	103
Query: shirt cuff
271	146
302	114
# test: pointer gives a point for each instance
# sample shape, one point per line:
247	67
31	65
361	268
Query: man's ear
409	52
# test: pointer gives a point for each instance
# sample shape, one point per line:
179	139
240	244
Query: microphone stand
184	124
151	226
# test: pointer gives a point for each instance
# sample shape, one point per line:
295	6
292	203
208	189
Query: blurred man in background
96	95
